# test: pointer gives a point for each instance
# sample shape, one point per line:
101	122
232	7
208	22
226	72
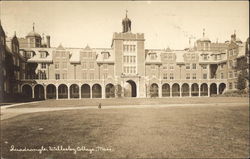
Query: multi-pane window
187	66
235	74
230	74
192	56
165	76
129	48
204	76
204	67
42	54
91	76
171	66
57	76
235	85
91	65
57	65
84	65
64	75
43	65
193	66
171	76
105	55
84	75
221	75
230	85
205	57
165	67
194	75
105	66
153	56
64	65
188	76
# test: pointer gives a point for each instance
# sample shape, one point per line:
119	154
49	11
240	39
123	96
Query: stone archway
175	90
185	90
51	91
27	91
194	89
85	91
213	89
130	89
62	91
154	90
110	90
204	89
74	91
96	91
222	88
39	92
165	90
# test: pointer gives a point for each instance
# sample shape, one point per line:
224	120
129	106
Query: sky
164	23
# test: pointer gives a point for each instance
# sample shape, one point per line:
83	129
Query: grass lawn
174	132
134	101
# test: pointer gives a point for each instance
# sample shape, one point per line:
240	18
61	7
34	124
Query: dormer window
43	54
153	56
205	57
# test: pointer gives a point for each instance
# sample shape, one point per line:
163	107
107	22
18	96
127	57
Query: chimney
48	41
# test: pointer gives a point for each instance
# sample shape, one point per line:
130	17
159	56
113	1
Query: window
235	74
42	54
230	74
64	65
170	56
153	56
188	76
218	57
235	85
205	57
171	76
57	65
221	75
165	67
221	66
230	85
192	56
84	75
152	67
105	55
84	65
64	75
91	75
171	66
165	76
43	65
91	65
194	75
57	76
204	76
204	67
187	66
193	66
105	66
105	75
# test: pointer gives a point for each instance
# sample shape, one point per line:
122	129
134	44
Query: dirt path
8	112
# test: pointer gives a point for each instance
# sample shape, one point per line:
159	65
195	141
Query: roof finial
33	26
203	32
126	13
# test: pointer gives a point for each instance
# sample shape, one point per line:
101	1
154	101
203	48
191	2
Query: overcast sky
165	23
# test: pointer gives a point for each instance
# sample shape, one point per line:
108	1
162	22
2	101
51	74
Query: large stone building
126	69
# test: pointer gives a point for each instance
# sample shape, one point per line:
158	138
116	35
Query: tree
241	81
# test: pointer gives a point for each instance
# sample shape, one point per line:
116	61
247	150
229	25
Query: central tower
129	54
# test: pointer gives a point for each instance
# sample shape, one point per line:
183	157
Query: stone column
91	92
217	87
171	91
33	92
103	92
160	90
208	90
45	92
199	90
56	92
180	85
190	90
80	91
68	92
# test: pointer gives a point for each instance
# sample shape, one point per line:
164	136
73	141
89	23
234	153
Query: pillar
103	92
33	92
56	92
208	90
199	86
190	90
217	87
91	92
68	92
80	91
171	91
160	90
208	71
180	86
45	92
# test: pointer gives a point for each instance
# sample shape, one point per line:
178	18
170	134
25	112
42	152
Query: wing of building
34	69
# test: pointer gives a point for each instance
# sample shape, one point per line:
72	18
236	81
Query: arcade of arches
63	91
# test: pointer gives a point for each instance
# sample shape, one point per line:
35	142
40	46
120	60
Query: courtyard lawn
171	132
134	101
